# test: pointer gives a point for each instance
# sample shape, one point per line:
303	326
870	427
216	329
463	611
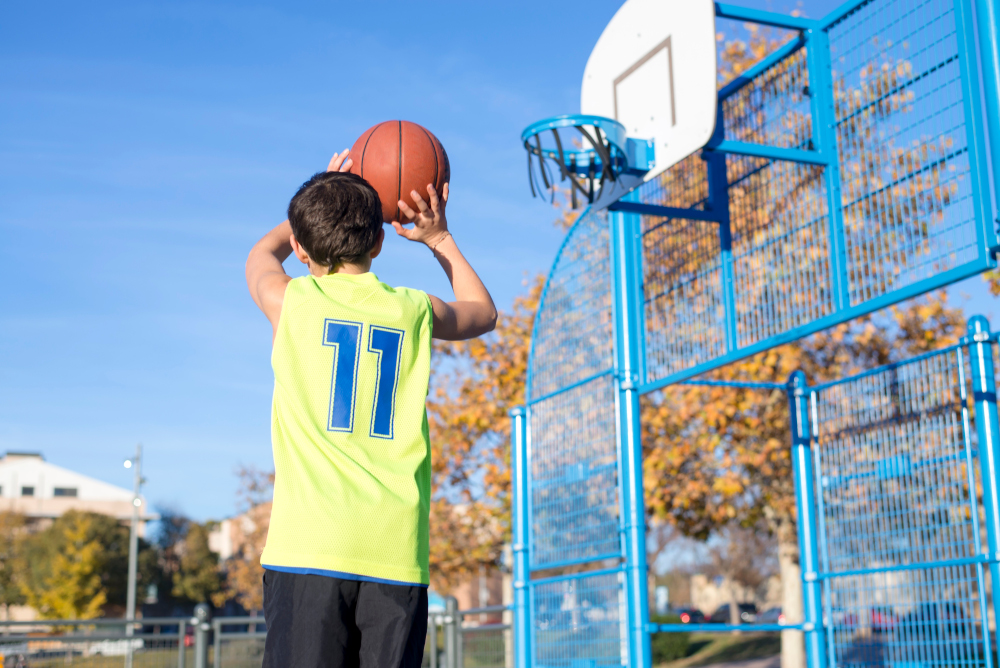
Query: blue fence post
984	395
988	21
521	542
824	124
626	232
808	522
718	203
978	150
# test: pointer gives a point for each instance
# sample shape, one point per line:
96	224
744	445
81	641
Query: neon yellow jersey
352	463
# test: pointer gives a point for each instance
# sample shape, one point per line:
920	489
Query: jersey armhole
282	315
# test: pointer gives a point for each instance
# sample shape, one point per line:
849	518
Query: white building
43	491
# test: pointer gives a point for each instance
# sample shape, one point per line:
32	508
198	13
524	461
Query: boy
345	580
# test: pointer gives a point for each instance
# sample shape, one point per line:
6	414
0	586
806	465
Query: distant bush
669	646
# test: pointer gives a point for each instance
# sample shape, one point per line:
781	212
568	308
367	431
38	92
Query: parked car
116	647
771	616
748	614
883	619
691	616
843	619
934	620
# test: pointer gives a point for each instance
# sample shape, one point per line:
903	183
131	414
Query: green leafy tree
11	535
198	576
38	565
169	543
72	587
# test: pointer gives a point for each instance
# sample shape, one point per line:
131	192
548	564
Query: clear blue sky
144	147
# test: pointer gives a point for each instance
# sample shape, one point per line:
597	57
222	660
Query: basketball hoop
591	152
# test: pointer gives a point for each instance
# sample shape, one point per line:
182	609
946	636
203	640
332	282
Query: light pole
133	546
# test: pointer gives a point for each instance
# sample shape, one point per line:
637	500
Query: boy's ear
377	248
299	251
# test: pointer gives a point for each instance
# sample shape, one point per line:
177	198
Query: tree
11	535
715	456
745	556
72	587
37	570
243	572
169	542
725	452
198	577
474	384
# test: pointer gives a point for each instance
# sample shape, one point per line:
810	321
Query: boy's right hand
429	225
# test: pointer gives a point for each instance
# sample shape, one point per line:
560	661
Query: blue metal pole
988	21
626	230
984	395
519	512
824	130
766	151
718	204
978	150
762	17
808	522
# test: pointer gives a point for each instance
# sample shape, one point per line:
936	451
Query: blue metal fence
900	539
849	171
579	620
574	473
573	337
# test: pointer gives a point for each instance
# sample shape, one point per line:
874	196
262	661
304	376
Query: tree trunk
734	608
793	653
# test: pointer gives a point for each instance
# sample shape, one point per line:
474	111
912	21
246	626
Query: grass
234	655
709	648
145	659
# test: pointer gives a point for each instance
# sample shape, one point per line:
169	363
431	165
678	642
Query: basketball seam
365	148
399	169
435	151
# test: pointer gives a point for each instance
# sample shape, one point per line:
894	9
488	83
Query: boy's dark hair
336	216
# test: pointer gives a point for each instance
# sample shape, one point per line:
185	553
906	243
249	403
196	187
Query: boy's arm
266	277
472	313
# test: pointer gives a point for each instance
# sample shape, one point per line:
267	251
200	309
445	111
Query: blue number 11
345	337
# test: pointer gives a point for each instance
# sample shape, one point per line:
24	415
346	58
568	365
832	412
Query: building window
27	491
64	491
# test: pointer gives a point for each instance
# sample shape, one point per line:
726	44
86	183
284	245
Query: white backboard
653	70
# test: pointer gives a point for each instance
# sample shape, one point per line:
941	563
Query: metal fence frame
579	340
98	631
976	393
214	634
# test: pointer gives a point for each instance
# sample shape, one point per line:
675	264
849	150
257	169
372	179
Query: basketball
396	157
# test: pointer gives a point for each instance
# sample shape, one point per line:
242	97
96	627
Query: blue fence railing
849	171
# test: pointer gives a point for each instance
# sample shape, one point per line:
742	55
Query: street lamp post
133	547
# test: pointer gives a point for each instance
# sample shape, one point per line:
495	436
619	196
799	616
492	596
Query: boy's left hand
429	225
341	162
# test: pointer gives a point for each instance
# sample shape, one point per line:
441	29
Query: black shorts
315	621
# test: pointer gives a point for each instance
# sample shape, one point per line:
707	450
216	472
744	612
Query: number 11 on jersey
345	338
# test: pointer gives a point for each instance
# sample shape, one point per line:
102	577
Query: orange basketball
396	157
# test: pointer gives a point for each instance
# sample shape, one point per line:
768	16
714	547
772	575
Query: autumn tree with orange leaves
243	572
718	456
473	385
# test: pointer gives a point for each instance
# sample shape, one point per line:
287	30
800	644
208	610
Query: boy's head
336	218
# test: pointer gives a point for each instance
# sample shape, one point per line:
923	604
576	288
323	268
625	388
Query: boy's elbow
491	320
249	266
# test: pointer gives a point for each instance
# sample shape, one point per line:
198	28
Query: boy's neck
345	268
